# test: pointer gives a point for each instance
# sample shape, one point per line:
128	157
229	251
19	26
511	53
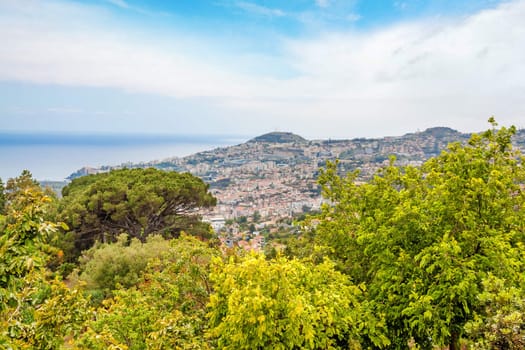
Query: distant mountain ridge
289	148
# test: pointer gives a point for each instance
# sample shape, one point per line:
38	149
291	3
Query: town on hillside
263	183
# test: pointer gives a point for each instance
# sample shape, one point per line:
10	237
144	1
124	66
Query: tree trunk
454	340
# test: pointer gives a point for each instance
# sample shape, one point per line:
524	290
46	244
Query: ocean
54	157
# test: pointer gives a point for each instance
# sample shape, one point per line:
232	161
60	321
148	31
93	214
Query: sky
318	68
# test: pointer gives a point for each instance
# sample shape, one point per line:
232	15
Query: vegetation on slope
279	137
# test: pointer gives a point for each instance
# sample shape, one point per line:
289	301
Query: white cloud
480	54
45	45
455	72
259	10
143	11
119	3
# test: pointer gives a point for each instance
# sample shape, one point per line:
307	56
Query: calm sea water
54	157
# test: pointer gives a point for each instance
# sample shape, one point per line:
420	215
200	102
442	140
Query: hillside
275	174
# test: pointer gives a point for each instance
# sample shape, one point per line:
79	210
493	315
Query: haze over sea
51	156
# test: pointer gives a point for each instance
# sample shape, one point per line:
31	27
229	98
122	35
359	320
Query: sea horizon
52	156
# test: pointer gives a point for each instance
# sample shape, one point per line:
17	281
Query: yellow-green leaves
37	311
285	304
166	310
502	316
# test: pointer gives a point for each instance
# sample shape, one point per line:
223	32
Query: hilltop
279	137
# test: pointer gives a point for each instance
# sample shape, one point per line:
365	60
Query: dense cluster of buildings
274	176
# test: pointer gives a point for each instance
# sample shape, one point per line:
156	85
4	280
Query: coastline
53	158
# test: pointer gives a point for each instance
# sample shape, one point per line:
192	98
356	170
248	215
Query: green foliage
18	192
17	185
2	197
165	311
36	310
302	246
502	325
23	243
109	266
41	313
138	202
424	239
288	304
15	197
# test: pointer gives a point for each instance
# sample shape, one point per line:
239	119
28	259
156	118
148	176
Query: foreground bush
37	310
288	304
110	266
166	310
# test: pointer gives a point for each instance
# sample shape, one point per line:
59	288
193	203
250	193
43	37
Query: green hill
279	137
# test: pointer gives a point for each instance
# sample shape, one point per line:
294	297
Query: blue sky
320	68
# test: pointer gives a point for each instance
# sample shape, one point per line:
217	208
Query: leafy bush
110	266
37	311
501	322
289	304
166	310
